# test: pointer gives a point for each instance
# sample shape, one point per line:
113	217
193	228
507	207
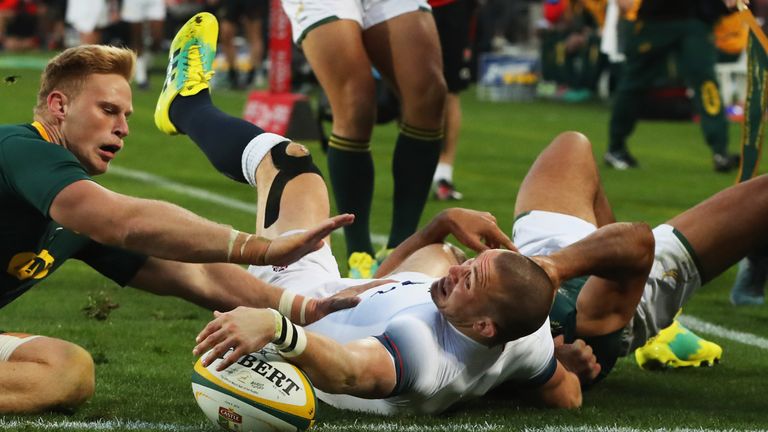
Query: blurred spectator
18	25
248	15
139	13
88	17
570	48
51	23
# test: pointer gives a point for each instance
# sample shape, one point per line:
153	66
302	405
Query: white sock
141	69
255	151
443	171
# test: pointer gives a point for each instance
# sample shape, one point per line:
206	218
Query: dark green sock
351	172
413	165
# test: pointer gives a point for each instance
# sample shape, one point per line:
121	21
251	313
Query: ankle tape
289	167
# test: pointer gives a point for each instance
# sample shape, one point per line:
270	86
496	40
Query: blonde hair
68	71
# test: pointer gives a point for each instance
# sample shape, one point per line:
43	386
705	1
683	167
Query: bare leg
564	179
304	202
336	53
728	226
452	128
406	50
45	374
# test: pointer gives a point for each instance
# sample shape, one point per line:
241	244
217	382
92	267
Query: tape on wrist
287	300
233	233
289	339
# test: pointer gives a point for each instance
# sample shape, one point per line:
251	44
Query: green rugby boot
190	65
675	347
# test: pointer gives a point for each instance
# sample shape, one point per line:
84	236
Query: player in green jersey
53	211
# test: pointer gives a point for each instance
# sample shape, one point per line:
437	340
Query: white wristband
289	339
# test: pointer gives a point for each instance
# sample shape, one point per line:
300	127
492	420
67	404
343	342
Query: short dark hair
522	306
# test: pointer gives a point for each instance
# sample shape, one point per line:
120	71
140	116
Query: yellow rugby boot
362	265
190	65
675	347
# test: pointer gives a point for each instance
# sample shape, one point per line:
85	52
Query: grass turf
143	348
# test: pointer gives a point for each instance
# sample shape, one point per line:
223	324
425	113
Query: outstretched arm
476	230
167	231
362	368
227	286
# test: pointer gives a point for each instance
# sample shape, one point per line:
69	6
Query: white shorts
86	16
136	11
316	274
9	343
673	278
308	14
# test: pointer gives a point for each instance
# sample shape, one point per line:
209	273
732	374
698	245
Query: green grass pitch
143	349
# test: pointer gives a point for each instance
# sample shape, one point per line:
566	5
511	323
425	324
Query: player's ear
486	328
57	104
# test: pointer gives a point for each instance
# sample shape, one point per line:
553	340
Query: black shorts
453	22
22	26
235	10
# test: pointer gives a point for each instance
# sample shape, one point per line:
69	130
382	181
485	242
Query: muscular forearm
435	232
214	286
617	251
352	369
151	227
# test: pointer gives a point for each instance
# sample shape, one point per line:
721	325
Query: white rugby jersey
437	366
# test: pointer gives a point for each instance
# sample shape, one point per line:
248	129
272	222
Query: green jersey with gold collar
32	172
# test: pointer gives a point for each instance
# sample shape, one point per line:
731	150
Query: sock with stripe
351	170
413	164
219	135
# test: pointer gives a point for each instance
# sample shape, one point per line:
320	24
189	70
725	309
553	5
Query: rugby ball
260	392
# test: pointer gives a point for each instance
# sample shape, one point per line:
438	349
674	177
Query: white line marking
491	427
696	324
106	425
202	194
132	425
183	189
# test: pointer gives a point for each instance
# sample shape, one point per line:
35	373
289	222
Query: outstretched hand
578	358
243	329
344	299
288	249
477	230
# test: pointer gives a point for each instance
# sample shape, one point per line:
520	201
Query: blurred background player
342	42
248	15
138	13
685	28
88	17
453	18
18	25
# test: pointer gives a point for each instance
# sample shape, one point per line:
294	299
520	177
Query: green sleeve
36	170
117	264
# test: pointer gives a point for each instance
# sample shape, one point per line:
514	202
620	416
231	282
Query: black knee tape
289	167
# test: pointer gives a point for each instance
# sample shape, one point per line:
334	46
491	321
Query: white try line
131	425
696	324
692	322
202	194
99	425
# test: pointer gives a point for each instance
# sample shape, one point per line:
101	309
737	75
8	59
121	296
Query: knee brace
289	167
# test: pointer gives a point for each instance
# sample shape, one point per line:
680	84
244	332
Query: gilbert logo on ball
260	392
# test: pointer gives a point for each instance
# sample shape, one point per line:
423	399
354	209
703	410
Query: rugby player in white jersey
418	344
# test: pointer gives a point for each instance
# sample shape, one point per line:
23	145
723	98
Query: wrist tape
289	339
